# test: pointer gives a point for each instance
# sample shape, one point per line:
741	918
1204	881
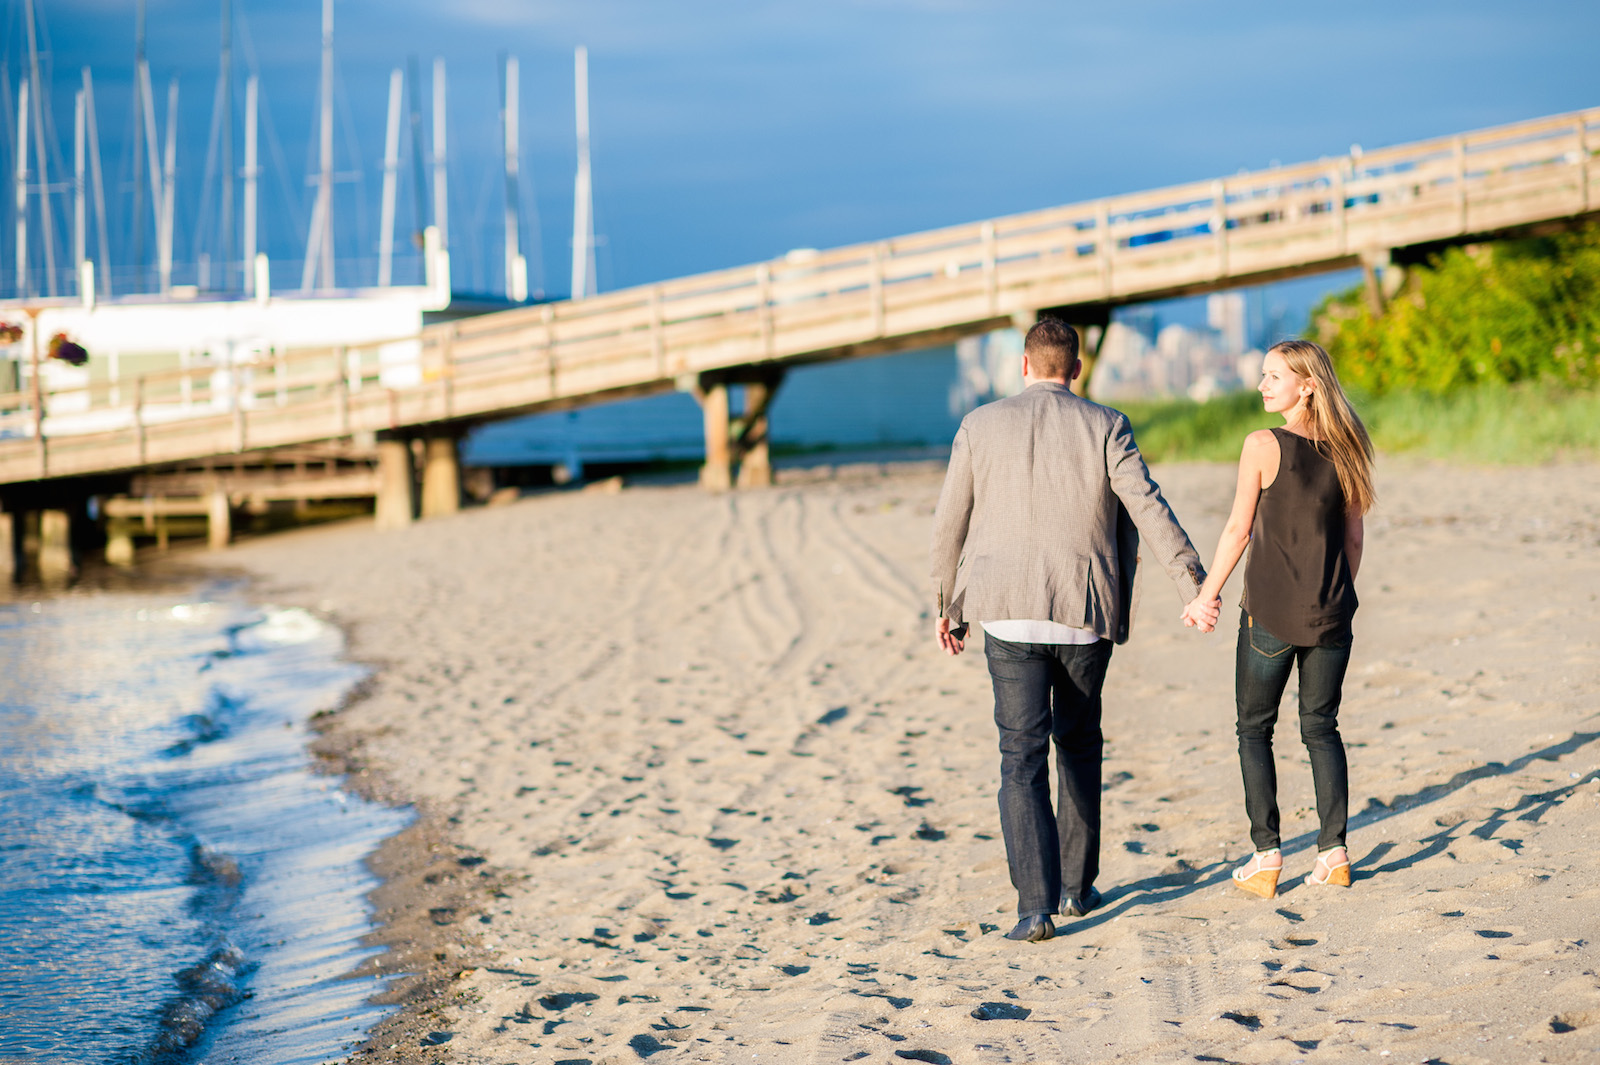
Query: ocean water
913	398
176	884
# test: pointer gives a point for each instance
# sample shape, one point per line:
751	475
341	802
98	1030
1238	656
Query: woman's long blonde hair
1332	419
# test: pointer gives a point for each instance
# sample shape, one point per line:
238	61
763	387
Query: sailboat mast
419	176
325	147
441	198
21	189
80	249
251	172
169	179
319	245
391	167
225	104
147	95
516	265
139	85
103	274
583	272
47	230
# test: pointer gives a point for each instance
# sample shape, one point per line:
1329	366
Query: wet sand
698	783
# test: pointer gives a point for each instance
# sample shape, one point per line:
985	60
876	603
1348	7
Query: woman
1302	491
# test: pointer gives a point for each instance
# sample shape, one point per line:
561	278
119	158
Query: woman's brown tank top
1297	582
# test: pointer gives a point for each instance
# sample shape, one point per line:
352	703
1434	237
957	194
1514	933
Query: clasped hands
1202	613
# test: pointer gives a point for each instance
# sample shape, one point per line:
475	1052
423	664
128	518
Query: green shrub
1491	314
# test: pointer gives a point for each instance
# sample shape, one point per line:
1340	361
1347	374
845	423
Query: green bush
1491	314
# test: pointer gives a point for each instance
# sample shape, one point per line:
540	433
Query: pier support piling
119	542
738	450
754	443
1090	338
717	473
1373	264
219	520
441	476
55	546
395	504
8	548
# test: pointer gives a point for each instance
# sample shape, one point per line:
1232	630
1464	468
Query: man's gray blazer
1040	517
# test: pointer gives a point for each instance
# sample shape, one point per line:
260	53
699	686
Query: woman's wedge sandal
1335	874
1257	878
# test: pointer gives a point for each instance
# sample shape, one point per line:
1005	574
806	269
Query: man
1036	538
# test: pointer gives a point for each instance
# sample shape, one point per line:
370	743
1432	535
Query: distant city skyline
729	133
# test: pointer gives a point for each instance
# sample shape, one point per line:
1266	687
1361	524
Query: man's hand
948	640
1202	614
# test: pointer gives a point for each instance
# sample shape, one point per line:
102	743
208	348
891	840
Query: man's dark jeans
1042	693
1262	671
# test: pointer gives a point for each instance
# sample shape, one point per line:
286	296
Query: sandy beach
697	785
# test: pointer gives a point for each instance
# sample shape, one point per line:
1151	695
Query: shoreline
425	881
511	967
163	756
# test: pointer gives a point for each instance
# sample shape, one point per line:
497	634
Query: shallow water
176	884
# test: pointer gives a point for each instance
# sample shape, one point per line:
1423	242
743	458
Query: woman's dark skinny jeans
1262	672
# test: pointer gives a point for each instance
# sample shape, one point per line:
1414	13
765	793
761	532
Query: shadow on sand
1530	807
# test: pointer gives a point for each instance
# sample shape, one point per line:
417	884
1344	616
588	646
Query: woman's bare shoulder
1261	442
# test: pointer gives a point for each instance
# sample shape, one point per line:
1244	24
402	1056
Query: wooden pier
1381	209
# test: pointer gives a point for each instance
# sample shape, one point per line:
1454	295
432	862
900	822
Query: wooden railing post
1584	197
447	371
138	416
341	389
658	338
1219	224
36	384
764	309
991	278
876	288
1341	227
547	316
1104	245
1459	147
236	377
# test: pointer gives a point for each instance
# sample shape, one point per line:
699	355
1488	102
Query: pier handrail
916	289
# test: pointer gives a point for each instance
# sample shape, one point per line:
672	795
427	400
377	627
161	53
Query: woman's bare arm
1354	539
1258	460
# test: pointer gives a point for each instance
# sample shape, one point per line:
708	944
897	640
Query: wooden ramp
746	324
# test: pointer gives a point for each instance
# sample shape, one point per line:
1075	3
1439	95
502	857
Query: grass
1518	425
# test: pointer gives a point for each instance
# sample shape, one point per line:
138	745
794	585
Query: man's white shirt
1035	631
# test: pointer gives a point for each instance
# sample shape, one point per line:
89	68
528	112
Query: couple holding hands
1036	539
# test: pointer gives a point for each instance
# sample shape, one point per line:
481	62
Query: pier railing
809	306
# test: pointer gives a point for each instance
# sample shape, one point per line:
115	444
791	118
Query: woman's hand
1202	613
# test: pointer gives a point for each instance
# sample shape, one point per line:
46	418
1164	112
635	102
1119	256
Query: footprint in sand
645	1045
1000	1011
1563	1023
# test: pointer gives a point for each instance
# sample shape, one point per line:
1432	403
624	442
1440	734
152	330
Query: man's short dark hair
1052	348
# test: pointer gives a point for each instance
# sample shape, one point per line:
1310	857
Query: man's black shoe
1034	929
1078	907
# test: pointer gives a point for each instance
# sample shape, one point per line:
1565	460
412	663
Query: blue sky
725	133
